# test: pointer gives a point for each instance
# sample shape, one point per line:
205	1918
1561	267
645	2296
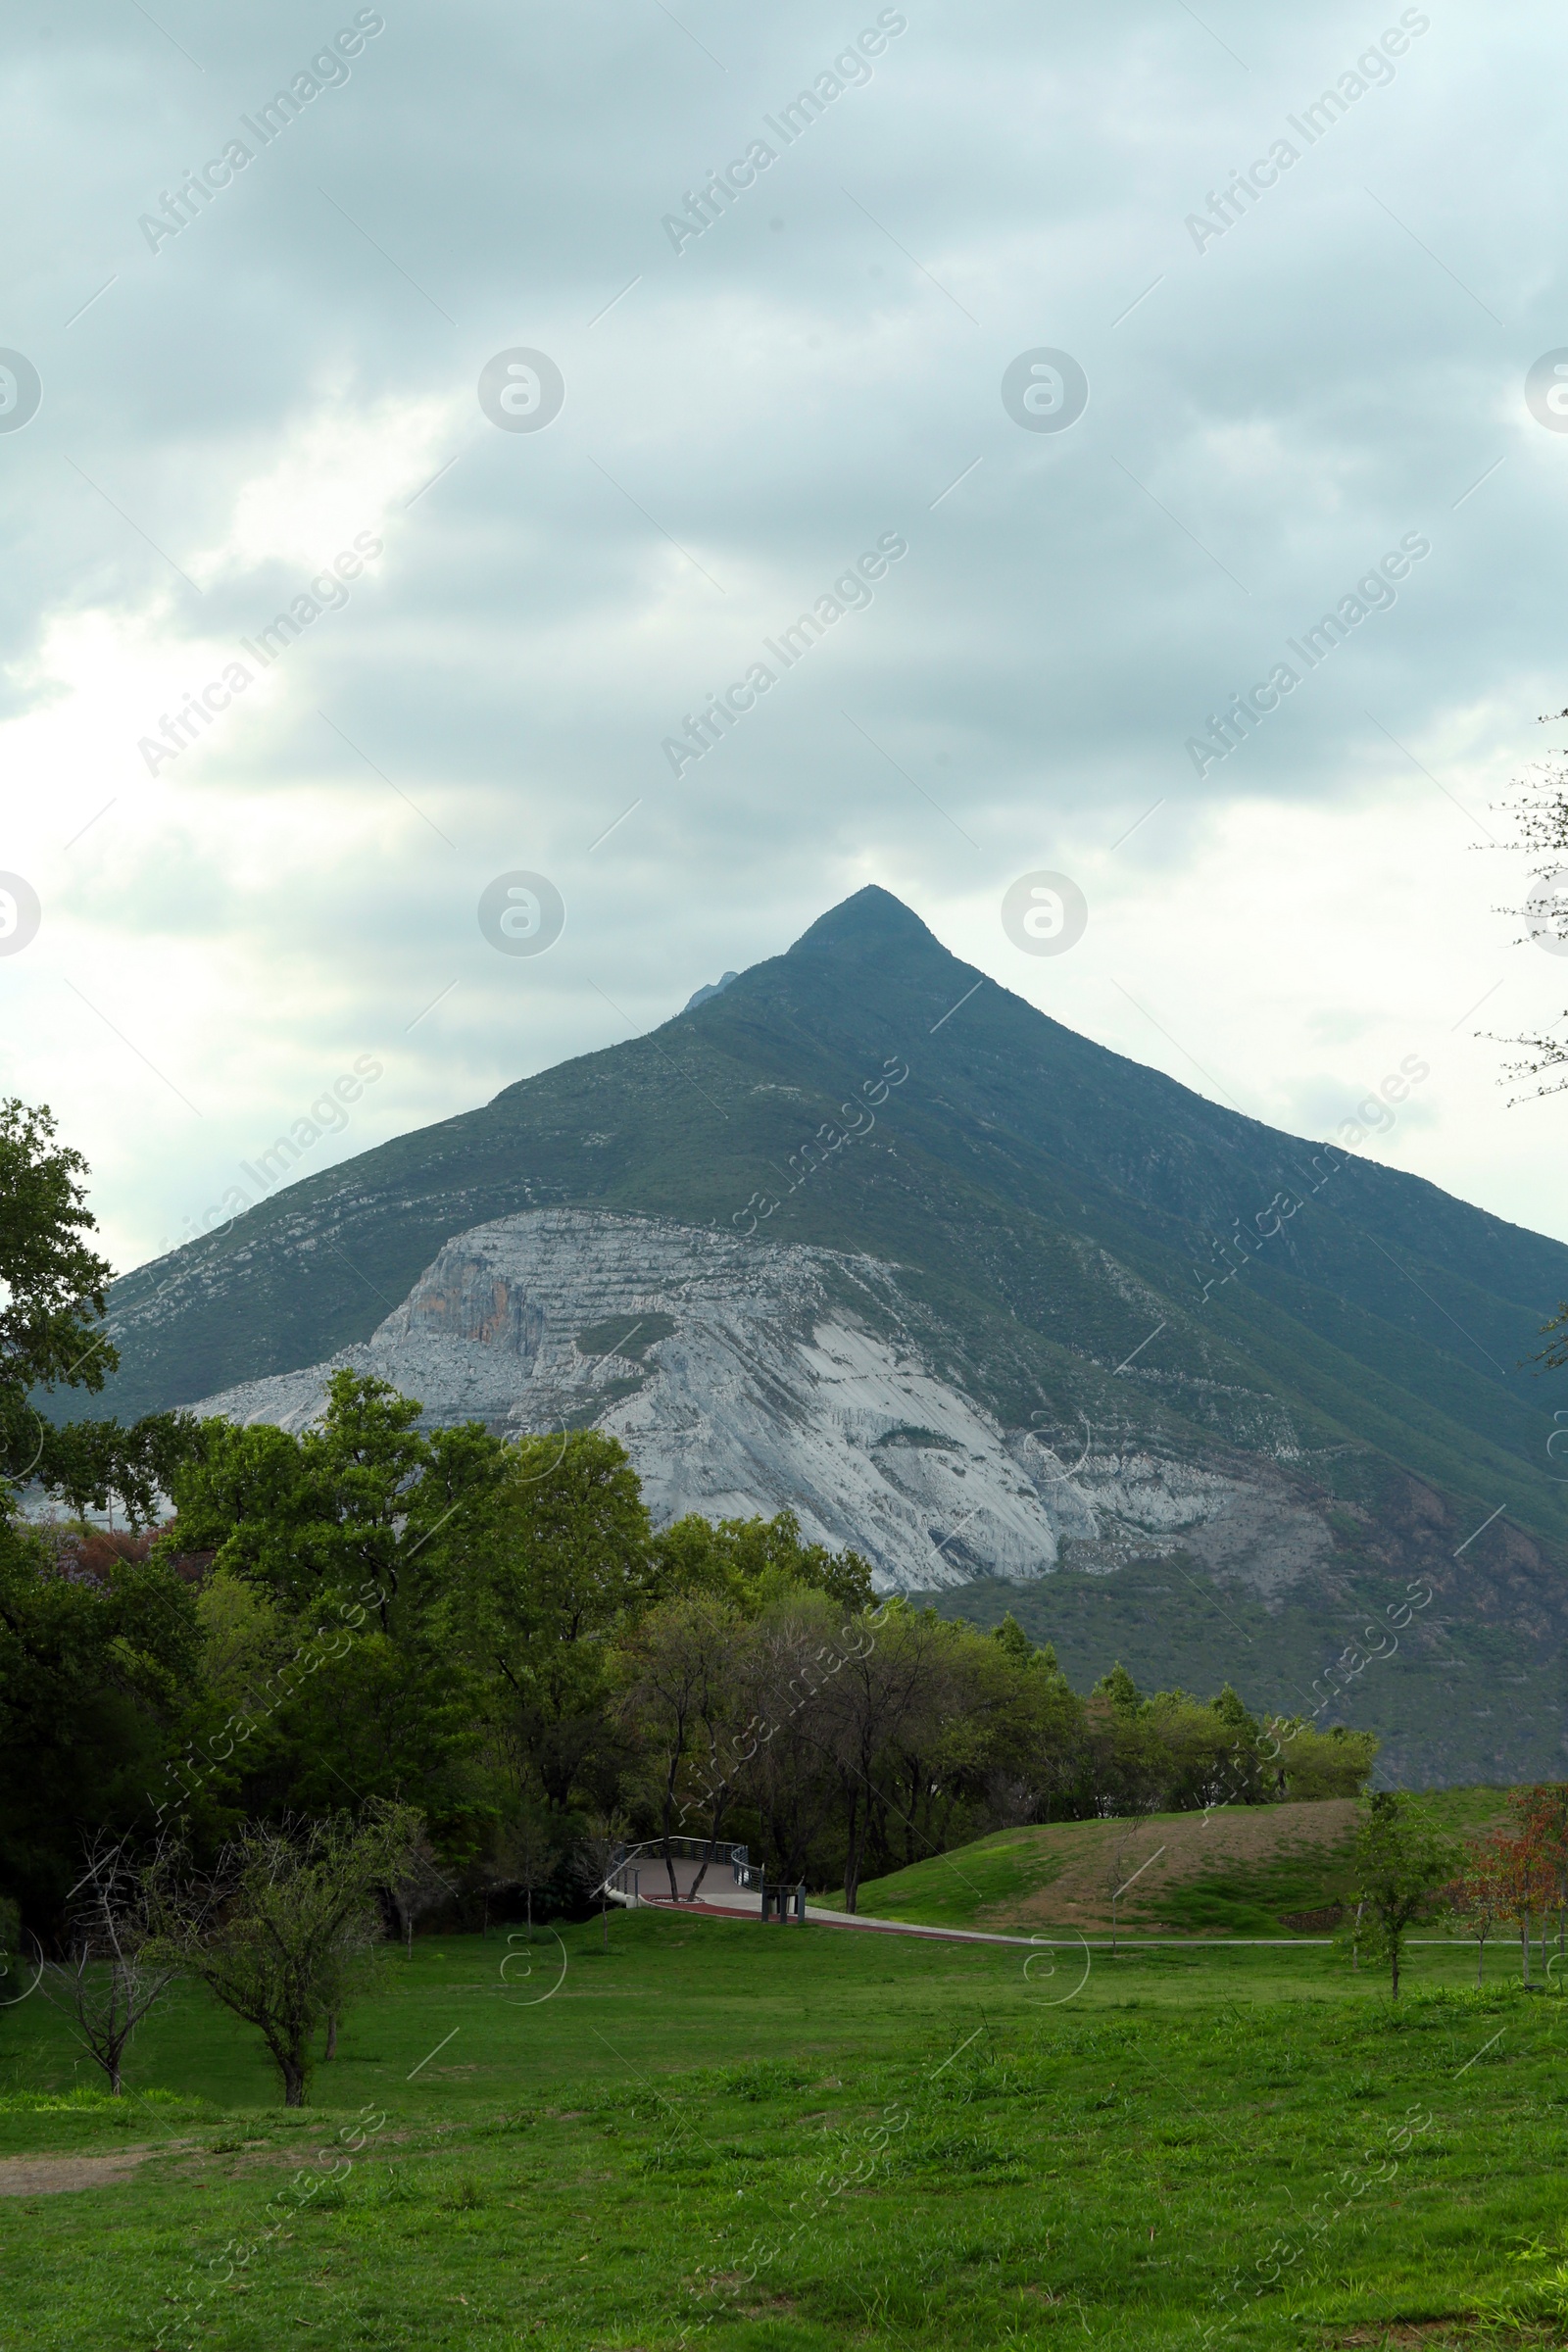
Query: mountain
1101	1269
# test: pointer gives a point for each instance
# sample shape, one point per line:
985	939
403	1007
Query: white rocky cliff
750	1377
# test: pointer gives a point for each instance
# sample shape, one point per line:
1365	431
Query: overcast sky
1283	389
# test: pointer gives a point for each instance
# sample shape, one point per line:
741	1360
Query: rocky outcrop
747	1377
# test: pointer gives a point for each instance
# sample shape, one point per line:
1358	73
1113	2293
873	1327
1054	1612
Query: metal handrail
688	1849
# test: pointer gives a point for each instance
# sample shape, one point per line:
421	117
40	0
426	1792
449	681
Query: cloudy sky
205	402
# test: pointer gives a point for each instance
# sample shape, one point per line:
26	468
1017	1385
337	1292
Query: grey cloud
1267	417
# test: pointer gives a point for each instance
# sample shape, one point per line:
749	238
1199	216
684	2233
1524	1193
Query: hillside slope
1241	1870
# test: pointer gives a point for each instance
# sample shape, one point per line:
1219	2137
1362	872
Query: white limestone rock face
744	1377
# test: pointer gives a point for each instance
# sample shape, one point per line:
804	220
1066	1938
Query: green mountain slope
1067	1215
1013	1156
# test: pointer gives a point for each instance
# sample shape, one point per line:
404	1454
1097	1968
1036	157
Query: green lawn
792	2138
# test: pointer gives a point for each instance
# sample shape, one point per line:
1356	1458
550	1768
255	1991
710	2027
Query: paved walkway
746	1905
720	1898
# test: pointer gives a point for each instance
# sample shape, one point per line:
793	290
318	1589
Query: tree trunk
1394	1970
701	1868
1481	1959
852	1857
331	2051
293	2082
1524	1945
604	1921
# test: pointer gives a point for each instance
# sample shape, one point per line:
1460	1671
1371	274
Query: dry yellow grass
1162	1854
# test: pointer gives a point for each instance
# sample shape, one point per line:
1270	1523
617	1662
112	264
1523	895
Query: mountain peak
872	918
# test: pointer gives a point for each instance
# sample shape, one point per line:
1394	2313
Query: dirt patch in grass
47	2176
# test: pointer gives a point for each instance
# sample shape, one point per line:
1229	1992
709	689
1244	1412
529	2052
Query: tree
1057	1728
54	1286
107	1982
1478	1897
682	1686
1543	817
282	1931
92	1465
1117	1875
781	1752
525	1859
560	1562
1542	1813
362	1501
601	1847
881	1695
99	1661
1523	1887
358	1534
994	1734
1120	1687
53	1292
1400	1864
1308	1764
753	1561
1126	1762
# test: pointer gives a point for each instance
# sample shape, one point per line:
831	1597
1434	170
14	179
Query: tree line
494	1631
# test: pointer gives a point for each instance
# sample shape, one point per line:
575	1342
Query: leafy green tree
1401	1863
53	1291
1014	1642
524	1859
283	1931
781	1750
1308	1764
754	1560
885	1703
54	1283
1118	1688
1125	1765
363	1500
564	1558
683	1688
94	1464
355	1539
99	1657
1243	1755
997	1739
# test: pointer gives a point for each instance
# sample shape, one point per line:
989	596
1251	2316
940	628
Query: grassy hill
1243	1870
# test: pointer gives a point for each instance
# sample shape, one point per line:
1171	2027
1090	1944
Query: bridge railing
623	1881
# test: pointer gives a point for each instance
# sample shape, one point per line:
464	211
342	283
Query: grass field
808	2138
